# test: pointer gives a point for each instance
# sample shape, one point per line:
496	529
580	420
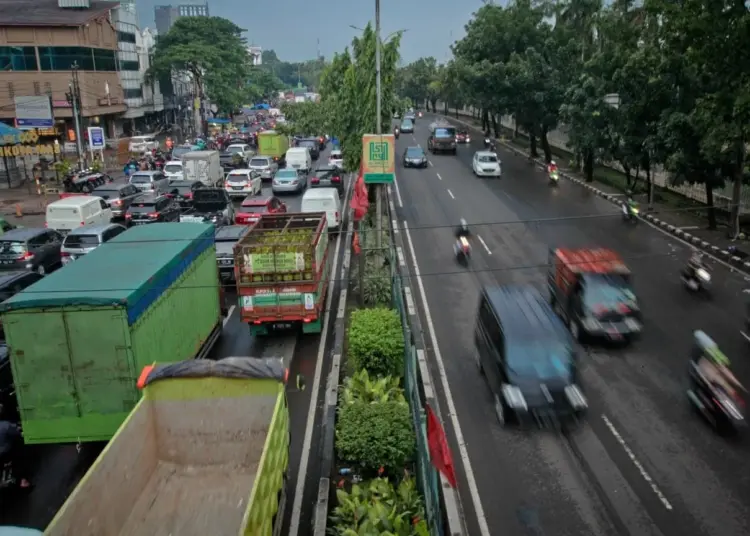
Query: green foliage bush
371	436
361	388
377	283
376	508
376	342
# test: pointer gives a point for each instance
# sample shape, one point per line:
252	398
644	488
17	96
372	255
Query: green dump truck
273	144
205	452
79	336
282	271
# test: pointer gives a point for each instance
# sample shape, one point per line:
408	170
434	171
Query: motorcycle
462	251
396	133
554	177
487	143
697	281
630	211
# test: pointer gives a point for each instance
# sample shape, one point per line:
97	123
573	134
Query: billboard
34	112
378	158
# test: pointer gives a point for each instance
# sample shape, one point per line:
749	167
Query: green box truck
79	336
205	452
273	144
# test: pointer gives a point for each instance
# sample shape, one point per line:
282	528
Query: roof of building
48	13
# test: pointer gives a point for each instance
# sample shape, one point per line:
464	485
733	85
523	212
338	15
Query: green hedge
376	342
371	436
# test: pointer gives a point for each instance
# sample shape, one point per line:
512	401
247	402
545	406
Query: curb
331	393
695	241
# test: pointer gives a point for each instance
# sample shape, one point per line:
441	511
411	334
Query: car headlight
591	324
514	397
703	275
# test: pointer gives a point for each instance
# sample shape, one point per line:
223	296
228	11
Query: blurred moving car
83	240
407	126
486	164
462	136
414	157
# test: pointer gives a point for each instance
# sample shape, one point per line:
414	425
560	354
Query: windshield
147	206
182	189
445	132
542	361
406	123
259	162
253	209
284	174
307	143
238	177
106	194
336	155
235	149
486	159
140	179
606	291
173	168
16	248
177	152
81	241
414	153
209	196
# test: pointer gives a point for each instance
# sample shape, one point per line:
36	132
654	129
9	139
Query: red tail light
128	216
315	180
623	308
46	224
27	256
117	202
598	309
336	179
64	254
153	215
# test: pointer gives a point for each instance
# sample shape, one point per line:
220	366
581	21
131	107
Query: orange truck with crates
282	270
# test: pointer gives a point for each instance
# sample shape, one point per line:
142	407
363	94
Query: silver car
83	240
150	181
288	181
265	166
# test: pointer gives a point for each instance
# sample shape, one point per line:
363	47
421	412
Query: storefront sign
34	112
46	131
47	149
61	104
378	158
26	136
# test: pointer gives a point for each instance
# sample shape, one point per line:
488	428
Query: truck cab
442	138
591	290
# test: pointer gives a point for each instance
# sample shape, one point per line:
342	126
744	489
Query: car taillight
337	217
117	202
64	254
153	215
46	224
27	256
315	180
128	216
189	196
336	179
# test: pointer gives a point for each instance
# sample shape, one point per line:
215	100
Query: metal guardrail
697	192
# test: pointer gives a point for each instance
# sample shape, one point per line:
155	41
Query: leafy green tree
212	51
306	73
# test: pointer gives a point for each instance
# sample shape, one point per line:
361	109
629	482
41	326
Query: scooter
700	281
720	409
396	133
554	178
630	212
462	251
487	143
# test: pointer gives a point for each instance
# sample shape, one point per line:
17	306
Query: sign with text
378	158
34	112
96	138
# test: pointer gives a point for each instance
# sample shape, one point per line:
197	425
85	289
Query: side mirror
300	382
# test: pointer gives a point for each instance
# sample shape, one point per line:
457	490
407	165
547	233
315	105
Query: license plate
238	187
614	334
8	262
296	166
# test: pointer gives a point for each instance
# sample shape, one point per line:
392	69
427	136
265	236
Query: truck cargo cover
229	367
131	271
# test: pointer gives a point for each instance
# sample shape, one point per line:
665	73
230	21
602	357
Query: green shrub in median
376	507
376	342
371	436
362	388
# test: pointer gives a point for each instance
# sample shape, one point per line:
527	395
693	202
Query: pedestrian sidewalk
683	219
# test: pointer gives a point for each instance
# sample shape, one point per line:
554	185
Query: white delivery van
324	200
78	211
299	158
203	166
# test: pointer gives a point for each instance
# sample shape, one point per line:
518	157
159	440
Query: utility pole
379	187
74	98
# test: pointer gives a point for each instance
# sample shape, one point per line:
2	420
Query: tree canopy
348	104
647	84
306	73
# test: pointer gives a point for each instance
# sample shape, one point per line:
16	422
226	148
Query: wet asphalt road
642	463
56	469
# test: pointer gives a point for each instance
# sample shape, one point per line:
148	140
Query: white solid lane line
430	161
307	442
229	315
451	194
398	192
439	177
484	244
484	529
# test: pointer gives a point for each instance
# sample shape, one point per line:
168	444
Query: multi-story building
193	10
40	43
256	54
164	17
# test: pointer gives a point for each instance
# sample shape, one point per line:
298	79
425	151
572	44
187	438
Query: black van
527	357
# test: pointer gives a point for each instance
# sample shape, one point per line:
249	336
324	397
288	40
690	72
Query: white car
173	170
336	158
486	164
141	144
243	182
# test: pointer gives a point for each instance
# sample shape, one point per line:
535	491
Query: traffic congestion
585	357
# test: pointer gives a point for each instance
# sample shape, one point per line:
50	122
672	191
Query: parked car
150	181
153	208
288	181
243	182
31	248
226	237
265	165
118	197
83	240
141	144
184	191
328	177
252	208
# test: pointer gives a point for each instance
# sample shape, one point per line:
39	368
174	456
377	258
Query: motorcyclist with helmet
462	248
552	167
462	229
630	207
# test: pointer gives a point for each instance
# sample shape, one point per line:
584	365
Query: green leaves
376	341
361	388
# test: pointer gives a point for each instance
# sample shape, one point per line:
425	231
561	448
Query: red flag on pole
440	452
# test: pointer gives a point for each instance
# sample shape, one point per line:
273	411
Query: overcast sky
293	27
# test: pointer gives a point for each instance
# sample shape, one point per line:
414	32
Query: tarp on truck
229	367
131	271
